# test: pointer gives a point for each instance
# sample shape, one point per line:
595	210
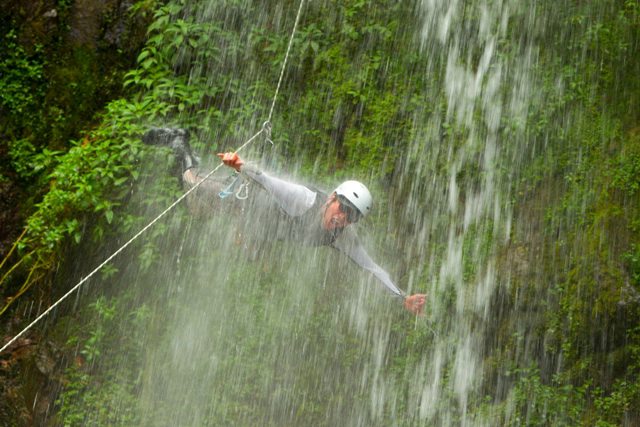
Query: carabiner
243	191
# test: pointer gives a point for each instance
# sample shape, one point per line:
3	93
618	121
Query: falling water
239	342
485	91
246	330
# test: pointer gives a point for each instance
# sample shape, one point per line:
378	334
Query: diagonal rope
266	129
286	58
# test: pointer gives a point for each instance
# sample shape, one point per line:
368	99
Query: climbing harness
266	131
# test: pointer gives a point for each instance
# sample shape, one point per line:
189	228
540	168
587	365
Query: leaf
148	63
143	55
118	182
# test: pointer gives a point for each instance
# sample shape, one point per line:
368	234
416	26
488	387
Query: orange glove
415	303
231	160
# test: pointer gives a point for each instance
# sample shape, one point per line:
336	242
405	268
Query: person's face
335	216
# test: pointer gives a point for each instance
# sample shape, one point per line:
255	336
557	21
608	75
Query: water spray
266	131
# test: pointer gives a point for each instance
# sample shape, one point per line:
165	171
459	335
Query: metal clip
243	191
266	128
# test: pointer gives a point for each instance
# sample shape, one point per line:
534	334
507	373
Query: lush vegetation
563	339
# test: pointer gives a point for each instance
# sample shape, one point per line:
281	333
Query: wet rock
628	295
44	361
50	14
85	21
13	406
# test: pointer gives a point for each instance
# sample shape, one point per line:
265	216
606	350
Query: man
309	217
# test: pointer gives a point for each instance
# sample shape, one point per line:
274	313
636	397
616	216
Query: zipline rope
266	129
286	58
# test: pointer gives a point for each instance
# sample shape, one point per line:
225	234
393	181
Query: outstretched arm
293	198
349	244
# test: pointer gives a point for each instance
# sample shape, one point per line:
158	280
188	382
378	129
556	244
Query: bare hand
231	160
415	303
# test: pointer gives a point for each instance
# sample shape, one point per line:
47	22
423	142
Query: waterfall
245	329
480	136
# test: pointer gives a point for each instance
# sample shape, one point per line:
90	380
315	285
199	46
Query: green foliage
547	404
78	184
558	402
632	259
88	181
622	401
86	399
21	77
27	161
587	182
625	168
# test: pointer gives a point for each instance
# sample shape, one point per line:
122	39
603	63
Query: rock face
80	22
95	22
84	46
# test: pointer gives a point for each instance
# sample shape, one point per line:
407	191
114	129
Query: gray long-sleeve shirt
298	202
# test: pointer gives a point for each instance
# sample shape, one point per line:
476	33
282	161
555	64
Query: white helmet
357	194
